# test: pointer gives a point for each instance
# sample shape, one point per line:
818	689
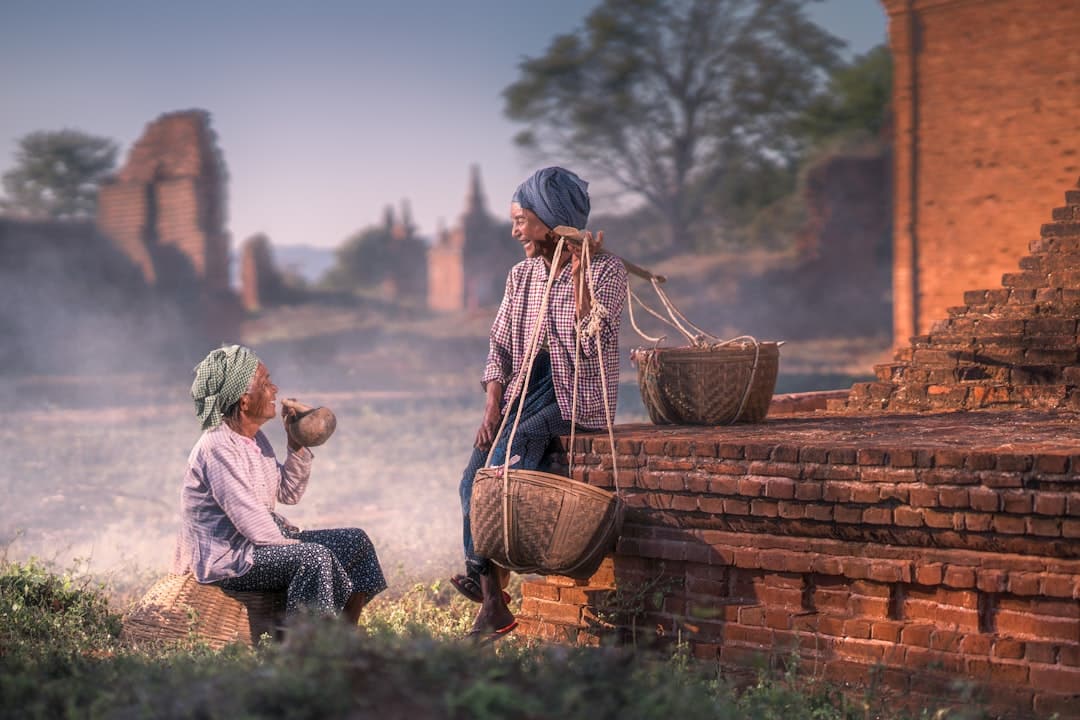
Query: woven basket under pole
535	522
705	385
557	526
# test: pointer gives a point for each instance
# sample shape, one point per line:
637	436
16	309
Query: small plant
624	606
40	610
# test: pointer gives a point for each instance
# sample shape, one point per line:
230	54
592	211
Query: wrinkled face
260	398
528	230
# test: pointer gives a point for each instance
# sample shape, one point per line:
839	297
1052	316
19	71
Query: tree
390	255
857	100
658	96
56	174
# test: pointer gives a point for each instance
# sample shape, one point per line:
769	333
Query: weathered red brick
1058	586
953	497
1010	524
984	499
877	516
929	574
1055	679
847	514
888	631
821	513
730	451
1017	502
1047	503
959	576
809	490
764	508
780	488
926	497
1028	625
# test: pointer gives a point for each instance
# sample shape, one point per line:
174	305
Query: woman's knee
358	539
316	556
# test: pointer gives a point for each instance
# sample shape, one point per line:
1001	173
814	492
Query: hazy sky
325	111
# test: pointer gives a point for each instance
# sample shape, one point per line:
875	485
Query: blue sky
325	111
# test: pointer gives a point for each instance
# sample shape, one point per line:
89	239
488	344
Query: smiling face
528	230
259	400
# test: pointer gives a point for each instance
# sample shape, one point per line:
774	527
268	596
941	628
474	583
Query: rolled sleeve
295	473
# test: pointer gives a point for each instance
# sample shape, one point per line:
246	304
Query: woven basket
705	386
558	526
178	606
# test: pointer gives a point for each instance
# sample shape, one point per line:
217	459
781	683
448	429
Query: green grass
61	657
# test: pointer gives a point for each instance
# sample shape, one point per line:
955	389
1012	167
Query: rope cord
597	313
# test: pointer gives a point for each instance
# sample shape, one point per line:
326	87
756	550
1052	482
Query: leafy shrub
408	660
40	610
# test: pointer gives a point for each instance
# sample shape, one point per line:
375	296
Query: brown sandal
469	586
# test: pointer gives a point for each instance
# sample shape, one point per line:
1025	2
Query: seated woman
230	533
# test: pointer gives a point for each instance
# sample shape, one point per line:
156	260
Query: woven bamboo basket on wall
557	526
706	385
178	606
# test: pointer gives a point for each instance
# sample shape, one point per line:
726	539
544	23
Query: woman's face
528	230
261	396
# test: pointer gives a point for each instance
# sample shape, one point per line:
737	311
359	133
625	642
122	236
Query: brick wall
921	549
986	95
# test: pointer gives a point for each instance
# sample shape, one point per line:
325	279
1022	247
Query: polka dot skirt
319	573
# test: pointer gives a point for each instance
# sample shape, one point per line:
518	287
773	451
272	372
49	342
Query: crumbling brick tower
1016	346
166	208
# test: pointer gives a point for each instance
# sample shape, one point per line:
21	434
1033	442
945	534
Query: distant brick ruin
986	99
838	286
261	284
467	264
166	210
166	207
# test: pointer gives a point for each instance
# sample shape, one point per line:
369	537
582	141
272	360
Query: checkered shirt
227	502
517	317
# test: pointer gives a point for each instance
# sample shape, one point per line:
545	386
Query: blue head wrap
557	196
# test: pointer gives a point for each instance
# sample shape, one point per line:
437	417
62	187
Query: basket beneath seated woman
230	533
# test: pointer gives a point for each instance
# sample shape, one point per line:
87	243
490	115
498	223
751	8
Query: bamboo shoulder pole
574	237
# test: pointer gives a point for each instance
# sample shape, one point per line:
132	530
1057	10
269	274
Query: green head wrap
220	379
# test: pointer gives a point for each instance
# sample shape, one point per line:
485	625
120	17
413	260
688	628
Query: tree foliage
56	174
759	196
664	97
857	100
387	253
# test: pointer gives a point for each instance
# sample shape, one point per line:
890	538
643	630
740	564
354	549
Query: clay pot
309	426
